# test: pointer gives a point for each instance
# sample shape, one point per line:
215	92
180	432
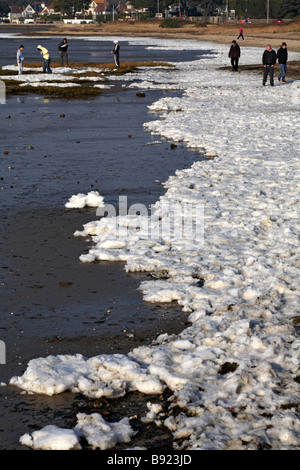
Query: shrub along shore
257	35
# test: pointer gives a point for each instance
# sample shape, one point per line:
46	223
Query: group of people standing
63	50
64	60
269	59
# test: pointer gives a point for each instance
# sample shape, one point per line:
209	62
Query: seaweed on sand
79	76
70	92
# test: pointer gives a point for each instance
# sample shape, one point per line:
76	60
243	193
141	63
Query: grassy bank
255	34
83	80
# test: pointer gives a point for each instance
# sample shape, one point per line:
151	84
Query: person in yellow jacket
46	57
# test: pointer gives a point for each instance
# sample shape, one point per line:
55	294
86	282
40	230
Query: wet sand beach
54	305
50	302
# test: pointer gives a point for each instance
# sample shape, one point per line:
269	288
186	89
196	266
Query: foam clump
80	200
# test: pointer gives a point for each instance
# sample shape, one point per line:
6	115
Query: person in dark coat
116	52
282	56
234	54
269	60
63	50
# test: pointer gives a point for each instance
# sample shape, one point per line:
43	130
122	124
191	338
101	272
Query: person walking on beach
282	56
20	59
63	50
46	57
234	54
116	52
269	60
241	35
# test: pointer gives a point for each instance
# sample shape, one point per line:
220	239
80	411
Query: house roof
125	7
100	8
49	7
16	9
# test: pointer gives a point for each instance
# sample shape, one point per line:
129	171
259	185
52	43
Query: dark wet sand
56	305
50	302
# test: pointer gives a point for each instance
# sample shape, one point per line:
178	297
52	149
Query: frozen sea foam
80	200
98	433
233	374
51	438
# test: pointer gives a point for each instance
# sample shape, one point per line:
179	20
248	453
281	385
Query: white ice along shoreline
242	312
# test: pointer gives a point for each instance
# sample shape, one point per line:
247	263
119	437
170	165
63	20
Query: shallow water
96	145
96	50
49	159
50	302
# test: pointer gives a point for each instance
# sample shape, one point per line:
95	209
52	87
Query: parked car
278	21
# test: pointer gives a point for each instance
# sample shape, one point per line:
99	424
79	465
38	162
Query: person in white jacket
20	59
116	52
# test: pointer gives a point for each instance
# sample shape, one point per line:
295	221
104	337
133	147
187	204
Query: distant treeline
258	8
243	8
